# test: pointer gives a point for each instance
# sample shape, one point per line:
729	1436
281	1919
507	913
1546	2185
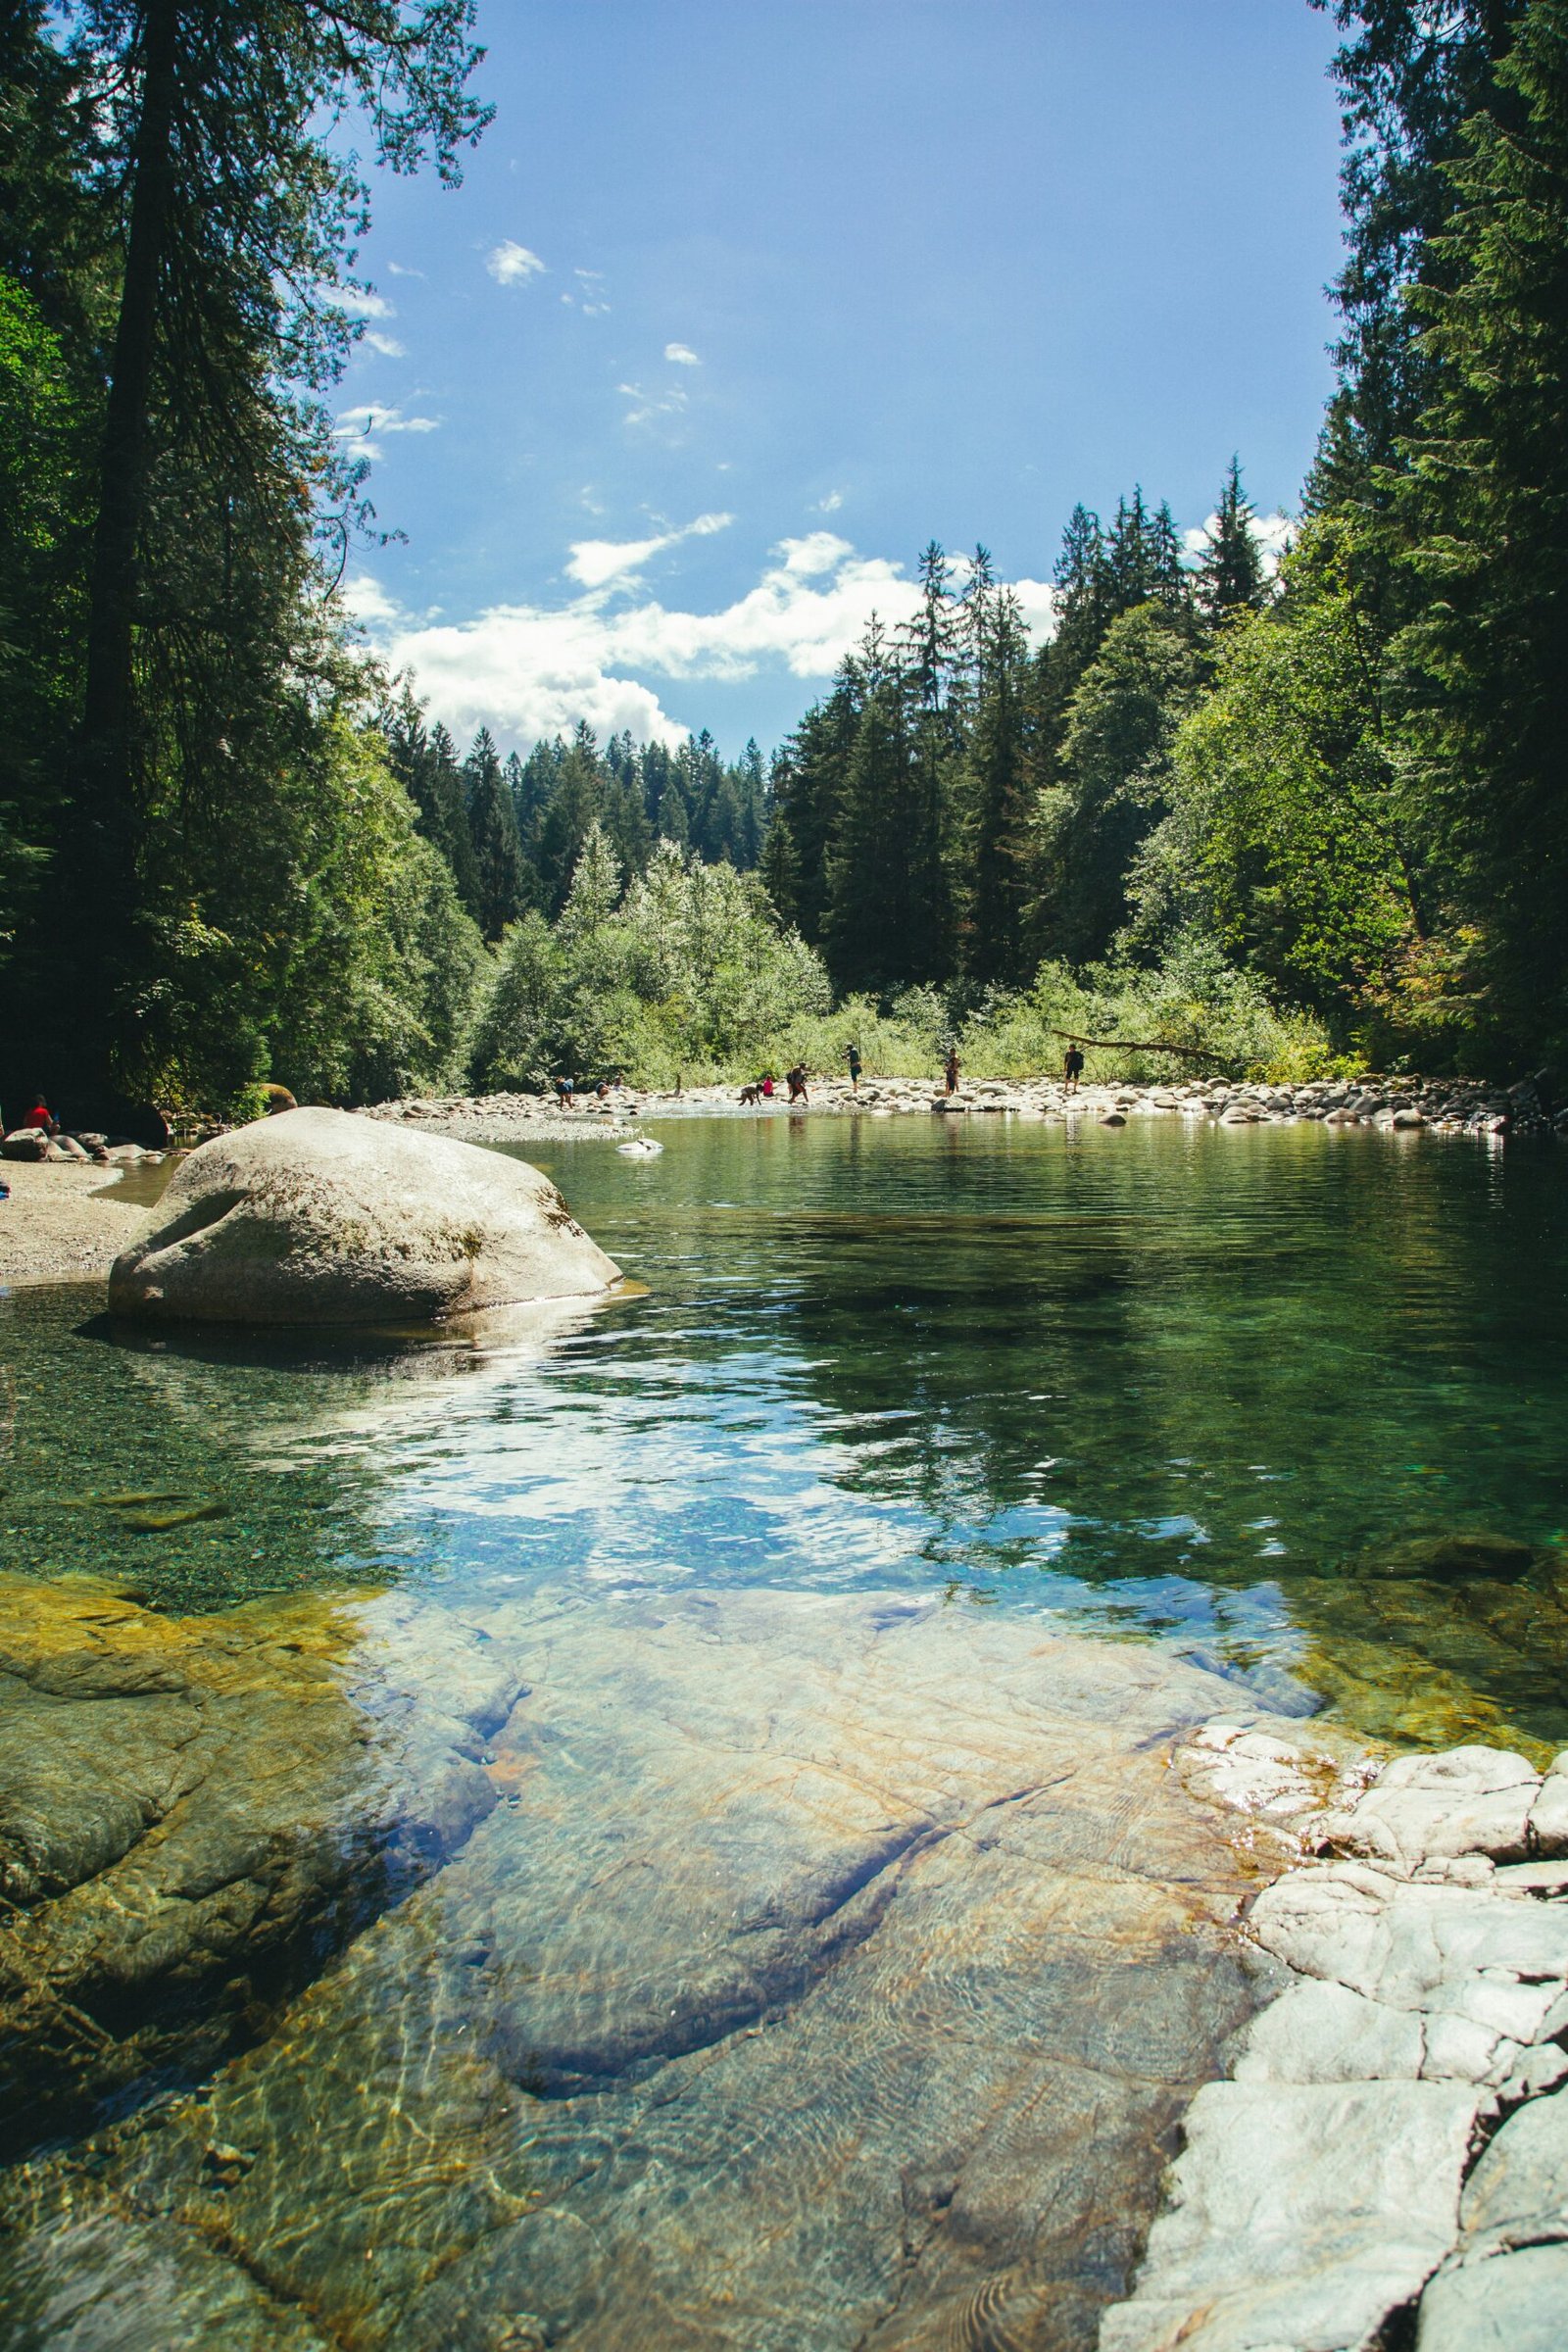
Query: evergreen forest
1308	814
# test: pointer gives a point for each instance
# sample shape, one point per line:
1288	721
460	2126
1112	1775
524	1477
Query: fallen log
1140	1044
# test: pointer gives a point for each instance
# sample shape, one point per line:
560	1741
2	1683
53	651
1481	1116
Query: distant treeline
512	830
961	805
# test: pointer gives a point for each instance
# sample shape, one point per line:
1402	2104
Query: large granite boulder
317	1216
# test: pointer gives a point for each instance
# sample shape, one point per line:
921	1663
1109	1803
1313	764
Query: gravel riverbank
62	1223
1451	1105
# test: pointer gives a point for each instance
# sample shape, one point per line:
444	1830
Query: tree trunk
101	859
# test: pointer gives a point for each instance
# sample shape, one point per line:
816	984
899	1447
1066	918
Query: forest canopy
1318	805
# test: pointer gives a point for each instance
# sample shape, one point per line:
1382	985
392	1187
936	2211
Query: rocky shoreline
1447	1106
1388	2159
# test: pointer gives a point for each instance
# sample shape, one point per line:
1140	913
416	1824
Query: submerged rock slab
193	1812
832	1972
320	1218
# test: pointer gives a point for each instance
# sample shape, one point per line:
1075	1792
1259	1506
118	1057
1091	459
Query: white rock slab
1518	2192
1462	1950
1254	1772
1321	2187
1548	1816
1517	2303
1320	2032
1301	2215
1472	1800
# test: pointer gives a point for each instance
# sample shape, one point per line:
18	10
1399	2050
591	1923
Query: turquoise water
1238	1388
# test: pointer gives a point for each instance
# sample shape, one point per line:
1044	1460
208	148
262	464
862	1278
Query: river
925	1476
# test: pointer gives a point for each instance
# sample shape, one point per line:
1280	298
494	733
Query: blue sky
738	303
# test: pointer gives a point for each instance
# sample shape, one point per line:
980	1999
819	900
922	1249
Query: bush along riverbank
1447	1106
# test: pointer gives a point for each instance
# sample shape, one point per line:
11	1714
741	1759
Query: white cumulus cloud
682	353
1037	603
532	670
511	264
360	303
363	427
388	345
369	602
594	563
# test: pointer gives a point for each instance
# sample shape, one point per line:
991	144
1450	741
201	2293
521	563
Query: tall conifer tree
1484	508
497	849
213	464
1230	571
1000	791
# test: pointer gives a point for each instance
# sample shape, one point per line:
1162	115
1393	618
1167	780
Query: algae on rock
193	1814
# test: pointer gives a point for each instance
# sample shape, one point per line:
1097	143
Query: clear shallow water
1218	1386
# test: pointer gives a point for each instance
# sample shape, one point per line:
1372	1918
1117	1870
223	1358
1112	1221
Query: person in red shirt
40	1115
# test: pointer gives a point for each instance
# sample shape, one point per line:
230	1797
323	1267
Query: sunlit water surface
1221	1386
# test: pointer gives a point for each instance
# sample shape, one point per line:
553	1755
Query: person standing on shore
797	1083
852	1053
950	1069
1072	1069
